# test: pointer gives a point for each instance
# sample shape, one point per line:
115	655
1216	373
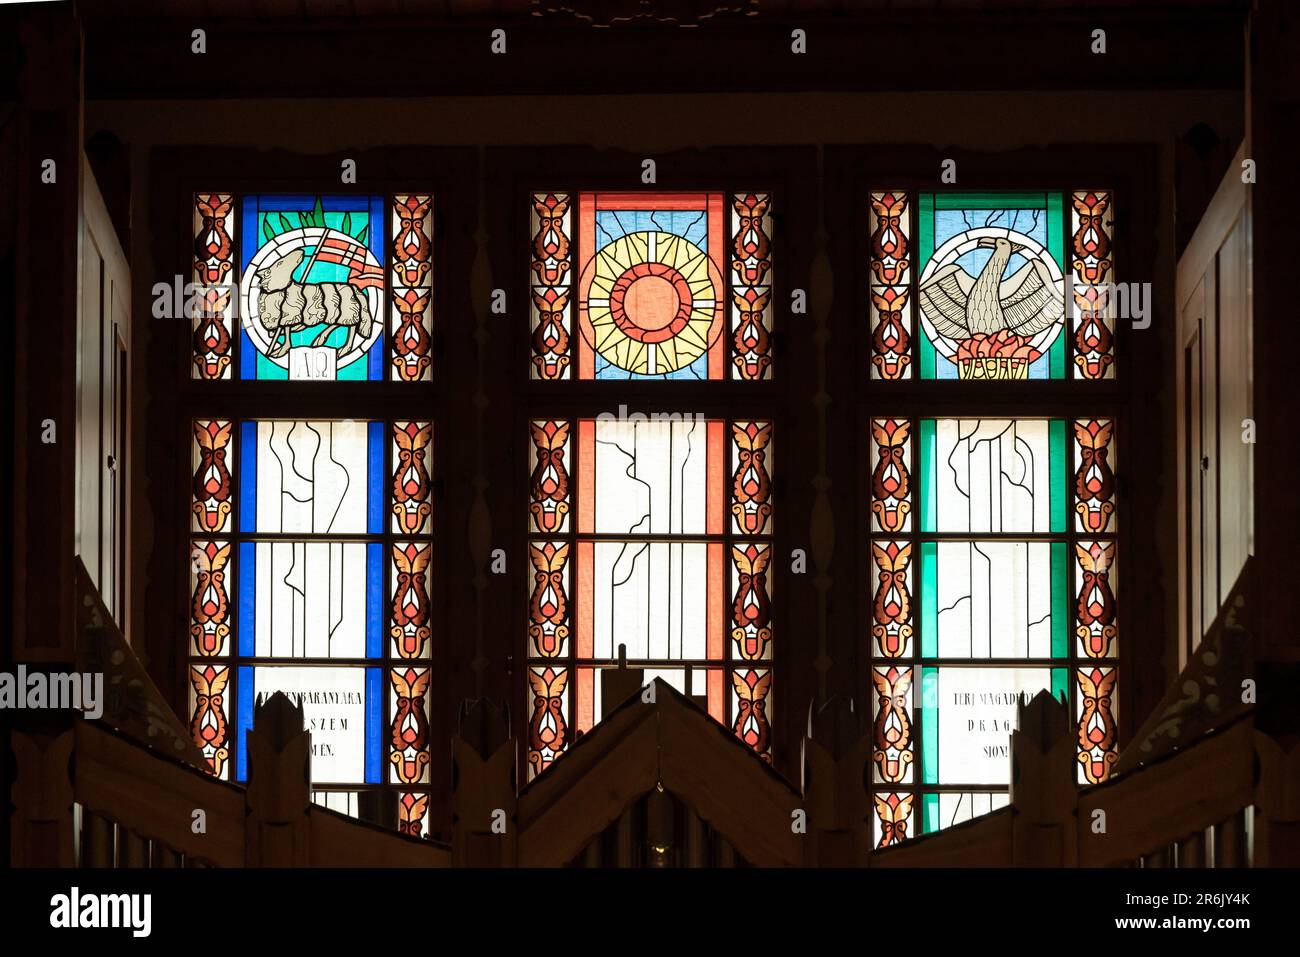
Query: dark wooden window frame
1146	534
481	397
176	399
789	174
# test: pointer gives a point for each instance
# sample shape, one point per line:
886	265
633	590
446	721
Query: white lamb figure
285	306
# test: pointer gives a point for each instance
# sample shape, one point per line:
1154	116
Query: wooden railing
1205	782
125	805
126	790
1197	807
657	783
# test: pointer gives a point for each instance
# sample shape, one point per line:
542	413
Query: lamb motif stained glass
988	588
651	536
301	287
310	575
651	285
312	288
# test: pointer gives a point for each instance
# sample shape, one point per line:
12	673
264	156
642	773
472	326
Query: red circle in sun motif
650	302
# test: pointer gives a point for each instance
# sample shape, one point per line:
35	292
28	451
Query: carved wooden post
277	831
1044	796
619	684
42	798
483	798
1277	797
835	756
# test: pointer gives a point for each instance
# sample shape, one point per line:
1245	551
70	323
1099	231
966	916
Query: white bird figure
962	306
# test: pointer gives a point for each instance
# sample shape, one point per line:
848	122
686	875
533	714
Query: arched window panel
651	285
991	286
650	536
989	587
312	287
310	575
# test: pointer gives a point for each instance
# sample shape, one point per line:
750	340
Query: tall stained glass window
311	535
993	549
649	531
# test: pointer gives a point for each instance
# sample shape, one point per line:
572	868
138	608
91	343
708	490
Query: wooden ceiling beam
415	56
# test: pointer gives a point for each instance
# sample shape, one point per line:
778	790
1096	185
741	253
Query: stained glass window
978	286
310	576
300	287
992	550
649	285
993	538
651	535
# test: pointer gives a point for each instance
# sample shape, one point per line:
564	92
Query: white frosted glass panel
651	477
345	802
312	477
311	599
652	597
334	707
992	475
956	808
994	599
977	711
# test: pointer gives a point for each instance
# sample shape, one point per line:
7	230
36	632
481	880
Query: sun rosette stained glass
890	285
650	534
654	285
991	286
651	293
1092	263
